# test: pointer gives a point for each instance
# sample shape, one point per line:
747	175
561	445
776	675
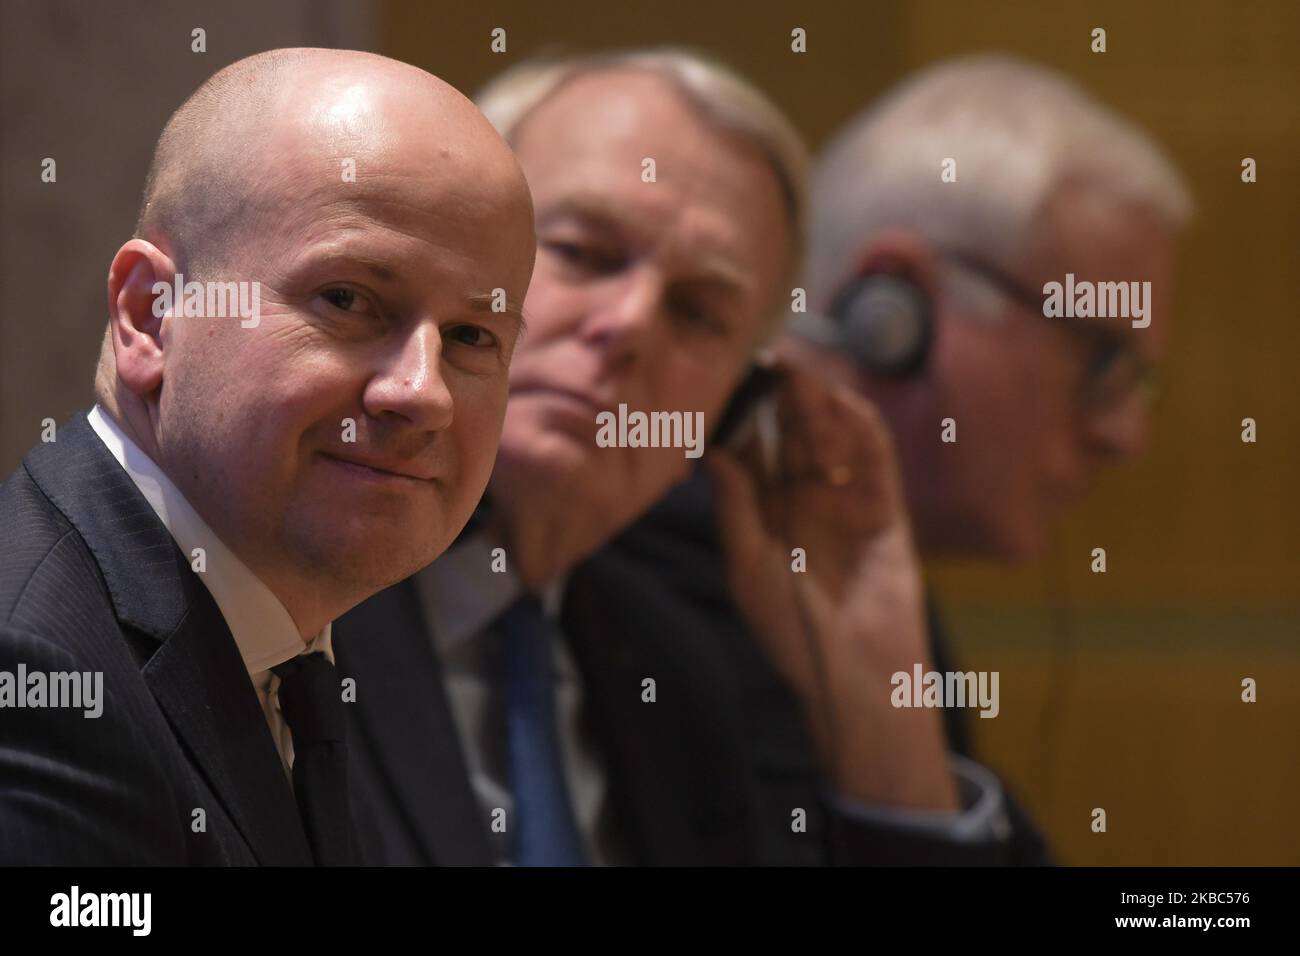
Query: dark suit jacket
91	580
677	543
710	773
675	783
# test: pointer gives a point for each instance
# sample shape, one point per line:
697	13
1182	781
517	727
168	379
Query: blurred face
1041	404
376	309
651	294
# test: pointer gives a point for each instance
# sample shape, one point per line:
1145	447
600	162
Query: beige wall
90	85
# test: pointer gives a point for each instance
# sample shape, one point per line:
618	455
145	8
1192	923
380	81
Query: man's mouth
570	396
379	468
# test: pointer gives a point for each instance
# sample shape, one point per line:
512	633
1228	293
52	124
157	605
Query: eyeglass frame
1108	347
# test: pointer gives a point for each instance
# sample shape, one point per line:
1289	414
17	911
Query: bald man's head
339	442
210	167
195	178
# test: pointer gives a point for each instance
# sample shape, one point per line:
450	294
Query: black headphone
881	319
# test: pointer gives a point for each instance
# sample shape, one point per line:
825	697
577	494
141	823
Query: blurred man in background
535	705
1046	182
938	216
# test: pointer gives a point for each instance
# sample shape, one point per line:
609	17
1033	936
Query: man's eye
473	335
584	257
695	315
342	297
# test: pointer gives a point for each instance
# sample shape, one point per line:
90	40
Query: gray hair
1017	131
721	96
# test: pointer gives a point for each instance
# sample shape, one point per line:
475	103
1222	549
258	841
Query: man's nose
1120	430
623	314
410	382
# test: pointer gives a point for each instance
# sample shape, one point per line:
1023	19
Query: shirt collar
261	626
462	595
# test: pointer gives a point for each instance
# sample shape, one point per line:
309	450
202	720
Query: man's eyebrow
341	256
484	302
377	268
602	212
593	207
722	273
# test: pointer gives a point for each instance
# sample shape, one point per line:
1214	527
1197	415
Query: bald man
299	400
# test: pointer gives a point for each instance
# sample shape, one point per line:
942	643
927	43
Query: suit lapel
196	675
203	687
404	718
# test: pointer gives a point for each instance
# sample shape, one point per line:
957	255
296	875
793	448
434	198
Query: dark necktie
545	832
313	708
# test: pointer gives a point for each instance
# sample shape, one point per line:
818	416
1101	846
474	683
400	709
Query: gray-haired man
939	216
531	706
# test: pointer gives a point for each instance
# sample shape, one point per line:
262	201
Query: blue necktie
545	832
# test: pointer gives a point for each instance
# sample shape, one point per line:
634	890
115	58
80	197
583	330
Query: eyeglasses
1115	369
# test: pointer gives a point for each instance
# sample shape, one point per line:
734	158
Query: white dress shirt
261	626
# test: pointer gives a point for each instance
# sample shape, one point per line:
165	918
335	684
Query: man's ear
902	253
136	314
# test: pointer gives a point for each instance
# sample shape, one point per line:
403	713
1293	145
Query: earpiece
885	323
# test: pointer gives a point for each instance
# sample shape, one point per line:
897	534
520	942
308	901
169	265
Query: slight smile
374	471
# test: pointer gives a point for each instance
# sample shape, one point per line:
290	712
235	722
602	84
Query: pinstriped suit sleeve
73	789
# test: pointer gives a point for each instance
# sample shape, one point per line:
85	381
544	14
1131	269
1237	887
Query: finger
740	524
866	445
805	411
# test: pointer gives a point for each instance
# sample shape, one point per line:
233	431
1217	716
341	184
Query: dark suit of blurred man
523	700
